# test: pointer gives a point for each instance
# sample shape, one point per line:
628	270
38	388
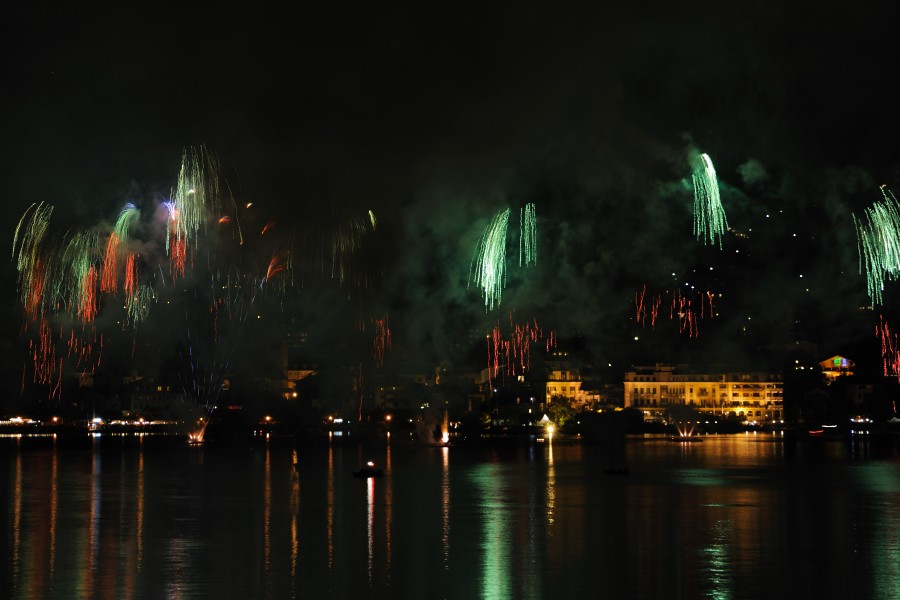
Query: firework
77	260
277	266
878	243
382	340
27	246
62	282
527	236
709	215
890	350
687	310
109	278
196	193
488	270
511	357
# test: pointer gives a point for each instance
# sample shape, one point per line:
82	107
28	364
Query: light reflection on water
731	517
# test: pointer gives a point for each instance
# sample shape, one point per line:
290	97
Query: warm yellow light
387	417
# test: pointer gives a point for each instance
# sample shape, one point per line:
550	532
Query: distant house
836	366
153	397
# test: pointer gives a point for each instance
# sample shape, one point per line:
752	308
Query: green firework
78	256
196	193
27	248
527	235
123	222
488	270
878	240
138	306
709	215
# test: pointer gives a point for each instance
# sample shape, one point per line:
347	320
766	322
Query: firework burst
527	236
878	242
488	270
709	215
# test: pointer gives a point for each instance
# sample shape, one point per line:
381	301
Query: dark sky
437	117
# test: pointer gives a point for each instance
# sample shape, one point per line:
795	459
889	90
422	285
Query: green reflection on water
495	577
700	477
717	562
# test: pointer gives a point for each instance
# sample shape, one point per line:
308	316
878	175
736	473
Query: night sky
438	117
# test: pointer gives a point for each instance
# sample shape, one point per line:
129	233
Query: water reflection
445	506
551	485
17	518
370	522
495	547
388	508
140	510
729	518
267	516
54	504
329	522
717	562
295	510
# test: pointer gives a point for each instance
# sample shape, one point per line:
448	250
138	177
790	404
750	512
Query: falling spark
687	310
511	357
890	351
878	243
488	270
382	340
527	236
709	215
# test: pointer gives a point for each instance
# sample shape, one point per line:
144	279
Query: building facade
744	396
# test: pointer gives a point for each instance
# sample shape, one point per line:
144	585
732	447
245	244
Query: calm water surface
743	516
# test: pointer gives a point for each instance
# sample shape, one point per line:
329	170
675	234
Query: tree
560	410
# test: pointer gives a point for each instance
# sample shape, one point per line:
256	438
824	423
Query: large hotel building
754	397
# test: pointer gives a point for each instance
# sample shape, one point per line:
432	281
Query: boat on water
368	471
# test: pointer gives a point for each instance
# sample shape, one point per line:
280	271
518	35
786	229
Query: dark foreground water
743	516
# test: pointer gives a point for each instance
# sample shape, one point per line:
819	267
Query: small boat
368	471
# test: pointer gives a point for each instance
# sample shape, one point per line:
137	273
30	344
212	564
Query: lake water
741	516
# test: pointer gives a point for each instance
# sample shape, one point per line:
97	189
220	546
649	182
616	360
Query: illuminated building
836	366
745	396
564	380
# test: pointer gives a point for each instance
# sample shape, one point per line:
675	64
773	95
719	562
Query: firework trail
382	342
688	310
488	270
709	215
109	278
278	265
62	280
878	243
196	193
527	236
511	357
340	247
27	253
890	349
